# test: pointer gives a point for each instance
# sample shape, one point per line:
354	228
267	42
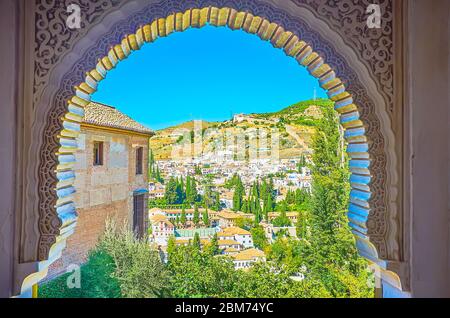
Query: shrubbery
138	268
97	280
122	266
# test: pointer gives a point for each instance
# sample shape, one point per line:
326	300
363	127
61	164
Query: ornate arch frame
353	63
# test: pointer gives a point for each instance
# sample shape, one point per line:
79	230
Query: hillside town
287	174
221	227
215	196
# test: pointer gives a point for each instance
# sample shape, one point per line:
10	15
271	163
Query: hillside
295	124
302	113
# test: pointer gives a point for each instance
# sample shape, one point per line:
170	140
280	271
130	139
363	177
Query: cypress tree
214	245
171	246
150	165
158	175
183	218
171	192
217	204
194	193
269	204
197	243
238	195
196	217
330	193
189	190
205	217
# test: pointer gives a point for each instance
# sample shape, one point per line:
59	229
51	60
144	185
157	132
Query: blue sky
207	74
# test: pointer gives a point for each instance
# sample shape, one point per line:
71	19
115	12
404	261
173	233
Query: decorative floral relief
54	39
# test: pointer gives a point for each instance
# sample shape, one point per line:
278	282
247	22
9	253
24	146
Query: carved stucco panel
54	40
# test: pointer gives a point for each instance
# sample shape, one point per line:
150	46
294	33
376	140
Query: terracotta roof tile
108	116
235	230
227	242
250	254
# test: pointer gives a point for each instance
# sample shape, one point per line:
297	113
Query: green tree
189	190
301	164
300	226
268	206
213	247
238	194
171	245
139	268
331	241
205	217
196	242
158	175
282	220
183	218
217	204
151	161
198	170
244	223
245	207
96	277
173	193
196	217
259	237
199	274
194	197
302	199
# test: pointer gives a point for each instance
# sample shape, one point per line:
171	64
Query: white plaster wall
118	153
429	104
448	120
8	80
244	238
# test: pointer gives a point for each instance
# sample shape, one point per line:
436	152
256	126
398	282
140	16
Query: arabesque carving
54	40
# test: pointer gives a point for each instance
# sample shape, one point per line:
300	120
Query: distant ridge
298	119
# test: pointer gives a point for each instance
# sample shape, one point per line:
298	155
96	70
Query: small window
139	160
98	153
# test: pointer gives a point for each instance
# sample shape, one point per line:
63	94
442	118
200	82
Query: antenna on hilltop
314	94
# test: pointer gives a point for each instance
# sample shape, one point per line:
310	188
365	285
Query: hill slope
294	123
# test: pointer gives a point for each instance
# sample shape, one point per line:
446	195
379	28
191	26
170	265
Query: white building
247	258
237	234
161	229
239	118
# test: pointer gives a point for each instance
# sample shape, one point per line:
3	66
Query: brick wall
102	191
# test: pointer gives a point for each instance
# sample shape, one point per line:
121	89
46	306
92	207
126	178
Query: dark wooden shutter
138	215
139	160
98	153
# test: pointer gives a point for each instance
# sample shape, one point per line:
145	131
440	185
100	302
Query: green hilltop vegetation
296	124
302	113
